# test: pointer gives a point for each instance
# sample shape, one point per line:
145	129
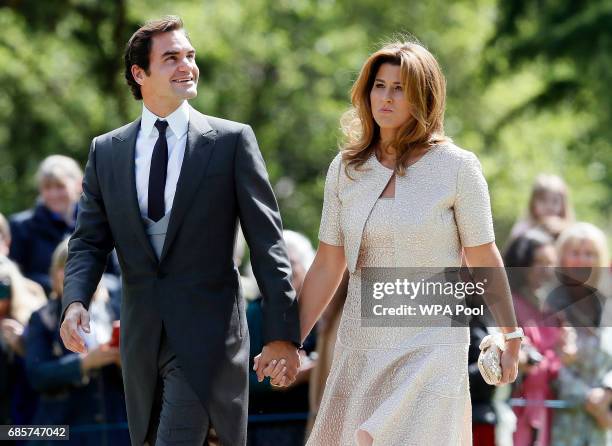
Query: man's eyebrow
175	52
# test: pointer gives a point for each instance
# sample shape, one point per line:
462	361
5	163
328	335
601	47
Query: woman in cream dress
400	194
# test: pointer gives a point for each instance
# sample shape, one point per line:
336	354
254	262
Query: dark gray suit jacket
193	291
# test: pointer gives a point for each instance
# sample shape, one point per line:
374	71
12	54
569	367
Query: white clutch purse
489	360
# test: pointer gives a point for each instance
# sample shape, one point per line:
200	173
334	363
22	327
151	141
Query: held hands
303	374
76	316
280	361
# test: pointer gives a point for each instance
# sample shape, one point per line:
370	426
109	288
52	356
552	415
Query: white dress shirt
176	136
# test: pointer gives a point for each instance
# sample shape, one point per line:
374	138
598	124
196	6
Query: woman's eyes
396	88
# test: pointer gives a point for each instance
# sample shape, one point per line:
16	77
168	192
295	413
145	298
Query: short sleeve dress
402	385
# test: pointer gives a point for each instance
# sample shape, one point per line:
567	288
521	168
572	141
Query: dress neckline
424	156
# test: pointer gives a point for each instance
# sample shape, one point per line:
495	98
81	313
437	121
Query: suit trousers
178	416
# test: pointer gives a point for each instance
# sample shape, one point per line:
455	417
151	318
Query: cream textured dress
402	385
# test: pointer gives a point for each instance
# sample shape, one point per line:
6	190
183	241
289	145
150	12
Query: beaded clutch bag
489	360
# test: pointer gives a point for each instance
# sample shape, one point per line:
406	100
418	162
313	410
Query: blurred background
528	92
528	86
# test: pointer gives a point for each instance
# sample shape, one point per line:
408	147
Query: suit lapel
198	149
124	147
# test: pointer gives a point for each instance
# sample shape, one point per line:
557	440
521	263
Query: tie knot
161	126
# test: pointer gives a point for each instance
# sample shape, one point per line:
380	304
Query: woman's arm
320	283
489	265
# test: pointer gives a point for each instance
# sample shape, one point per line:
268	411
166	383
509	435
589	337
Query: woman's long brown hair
425	89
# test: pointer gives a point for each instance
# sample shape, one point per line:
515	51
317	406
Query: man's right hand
76	316
280	360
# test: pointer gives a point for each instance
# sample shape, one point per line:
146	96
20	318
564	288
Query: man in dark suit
167	192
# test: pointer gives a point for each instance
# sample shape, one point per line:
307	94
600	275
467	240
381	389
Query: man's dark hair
138	47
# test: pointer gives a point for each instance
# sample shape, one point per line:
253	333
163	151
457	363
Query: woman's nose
388	98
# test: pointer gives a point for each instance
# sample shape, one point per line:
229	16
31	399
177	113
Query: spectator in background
584	379
290	401
553	226
583	257
530	259
17	302
5	247
36	232
76	389
548	206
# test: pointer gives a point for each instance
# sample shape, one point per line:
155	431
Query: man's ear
138	74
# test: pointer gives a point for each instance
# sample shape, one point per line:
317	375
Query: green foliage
567	46
525	99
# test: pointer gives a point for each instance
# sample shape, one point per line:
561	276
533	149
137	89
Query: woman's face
59	195
390	107
579	254
548	204
544	258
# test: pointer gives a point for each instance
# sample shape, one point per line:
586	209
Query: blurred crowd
563	395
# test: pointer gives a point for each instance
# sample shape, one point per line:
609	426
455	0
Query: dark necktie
157	174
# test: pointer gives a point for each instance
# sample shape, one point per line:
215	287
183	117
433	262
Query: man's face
173	73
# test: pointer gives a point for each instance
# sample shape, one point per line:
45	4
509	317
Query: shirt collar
178	120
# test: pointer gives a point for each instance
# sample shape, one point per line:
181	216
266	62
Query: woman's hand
303	374
510	361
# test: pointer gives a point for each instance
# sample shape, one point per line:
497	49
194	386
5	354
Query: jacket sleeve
262	227
91	243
